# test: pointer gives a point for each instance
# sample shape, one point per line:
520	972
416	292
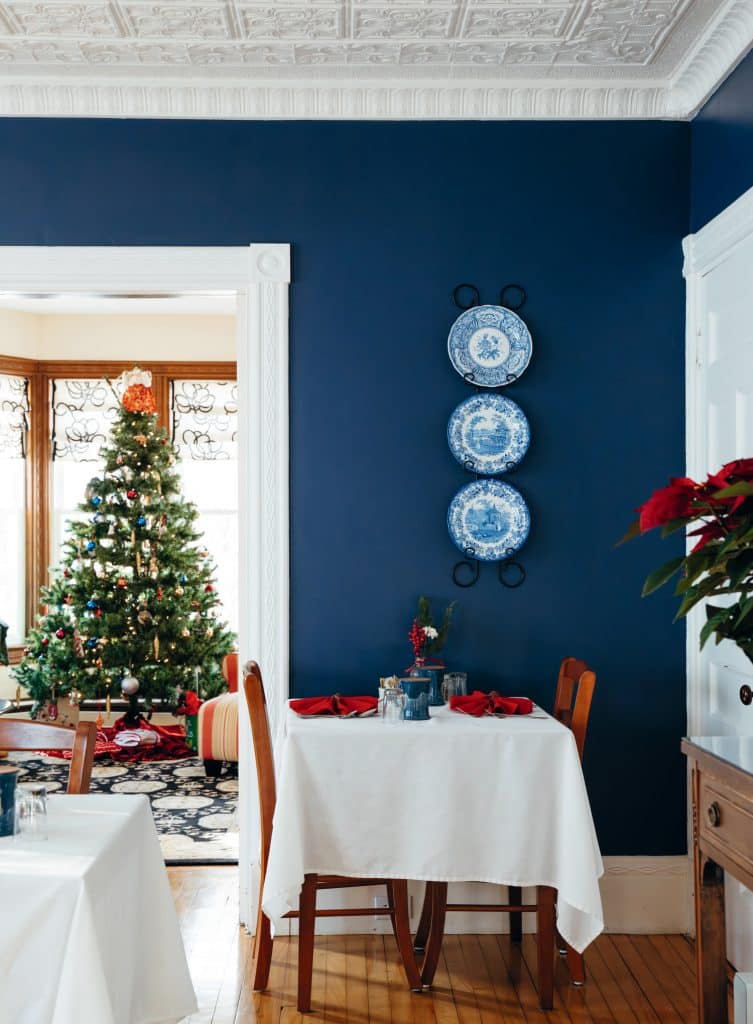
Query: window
205	434
81	413
54	419
14	424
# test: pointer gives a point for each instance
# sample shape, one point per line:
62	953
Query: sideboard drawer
726	821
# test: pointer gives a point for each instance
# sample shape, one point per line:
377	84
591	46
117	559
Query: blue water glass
416	690
7	800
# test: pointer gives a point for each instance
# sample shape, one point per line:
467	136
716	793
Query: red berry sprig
417	638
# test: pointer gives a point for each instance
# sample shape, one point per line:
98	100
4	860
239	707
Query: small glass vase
433	673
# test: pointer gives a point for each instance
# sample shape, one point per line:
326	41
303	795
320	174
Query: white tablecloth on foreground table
454	799
88	928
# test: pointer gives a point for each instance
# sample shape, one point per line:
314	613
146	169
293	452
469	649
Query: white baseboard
641	895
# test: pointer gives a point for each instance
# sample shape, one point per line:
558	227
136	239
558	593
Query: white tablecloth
88	928
454	799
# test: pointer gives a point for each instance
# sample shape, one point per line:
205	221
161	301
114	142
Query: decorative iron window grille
204	416
82	414
14	416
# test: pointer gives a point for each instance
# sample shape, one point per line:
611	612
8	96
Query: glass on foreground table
393	705
31	811
454	684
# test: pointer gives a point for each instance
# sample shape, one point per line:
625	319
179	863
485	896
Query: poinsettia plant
720	563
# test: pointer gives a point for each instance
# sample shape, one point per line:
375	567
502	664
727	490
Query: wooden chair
572	705
397	890
21	734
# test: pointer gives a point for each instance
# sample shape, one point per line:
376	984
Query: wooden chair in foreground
397	890
20	734
572	705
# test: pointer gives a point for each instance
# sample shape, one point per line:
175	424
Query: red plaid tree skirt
171	744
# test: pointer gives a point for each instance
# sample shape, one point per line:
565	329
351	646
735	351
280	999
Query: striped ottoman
218	732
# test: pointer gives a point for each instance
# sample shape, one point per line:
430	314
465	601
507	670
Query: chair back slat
261	735
573	697
20	734
582	709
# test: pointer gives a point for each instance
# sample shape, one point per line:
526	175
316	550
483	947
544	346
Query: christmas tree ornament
129	685
78	646
144	617
67	573
60	633
185	631
209	631
122	582
179	591
98	613
91	604
119	460
209	589
96	500
156	647
91	545
160	593
97	518
132	493
68	599
140	439
91	643
141	521
184	578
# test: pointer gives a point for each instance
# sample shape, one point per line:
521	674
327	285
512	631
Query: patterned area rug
196	817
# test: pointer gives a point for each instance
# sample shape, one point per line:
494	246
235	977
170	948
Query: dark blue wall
385	219
722	146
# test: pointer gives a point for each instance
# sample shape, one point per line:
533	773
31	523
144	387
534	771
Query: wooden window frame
40	373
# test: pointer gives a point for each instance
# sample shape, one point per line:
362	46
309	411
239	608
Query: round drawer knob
714	815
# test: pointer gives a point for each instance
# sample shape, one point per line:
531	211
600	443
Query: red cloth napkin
479	703
337	706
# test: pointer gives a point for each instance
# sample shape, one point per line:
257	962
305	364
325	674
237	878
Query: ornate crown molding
291	81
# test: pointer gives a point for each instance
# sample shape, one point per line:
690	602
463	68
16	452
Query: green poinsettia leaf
659	576
698	592
632	531
673	526
712	626
739	567
741	489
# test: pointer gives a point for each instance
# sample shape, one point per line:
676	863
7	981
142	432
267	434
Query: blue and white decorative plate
488	434
489	345
488	520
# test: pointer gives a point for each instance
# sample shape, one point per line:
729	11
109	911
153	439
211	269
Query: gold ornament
156	648
185	631
140	439
179	591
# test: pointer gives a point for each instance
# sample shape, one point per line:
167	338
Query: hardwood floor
482	979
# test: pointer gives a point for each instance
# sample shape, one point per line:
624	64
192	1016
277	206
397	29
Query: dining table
89	933
455	798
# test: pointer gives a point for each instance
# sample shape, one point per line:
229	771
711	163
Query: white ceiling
368	58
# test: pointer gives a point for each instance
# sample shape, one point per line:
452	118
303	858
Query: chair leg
424	922
306	926
438	897
576	966
262	950
213	769
515	895
545	945
401	924
391	905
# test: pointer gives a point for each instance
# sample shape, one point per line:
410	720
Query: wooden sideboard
722	802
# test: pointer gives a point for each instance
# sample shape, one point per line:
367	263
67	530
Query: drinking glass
454	684
31	811
392	707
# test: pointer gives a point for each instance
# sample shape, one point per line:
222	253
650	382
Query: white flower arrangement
430	632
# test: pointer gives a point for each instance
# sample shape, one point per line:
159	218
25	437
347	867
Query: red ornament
60	633
44	641
160	593
98	613
122	582
209	588
68	599
67	573
132	493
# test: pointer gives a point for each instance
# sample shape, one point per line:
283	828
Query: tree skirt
170	743
196	817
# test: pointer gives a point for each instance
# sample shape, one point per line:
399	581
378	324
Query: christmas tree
132	607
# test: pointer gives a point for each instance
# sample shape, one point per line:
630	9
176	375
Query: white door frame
260	275
704	251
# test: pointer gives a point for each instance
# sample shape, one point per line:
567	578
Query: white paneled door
719	269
